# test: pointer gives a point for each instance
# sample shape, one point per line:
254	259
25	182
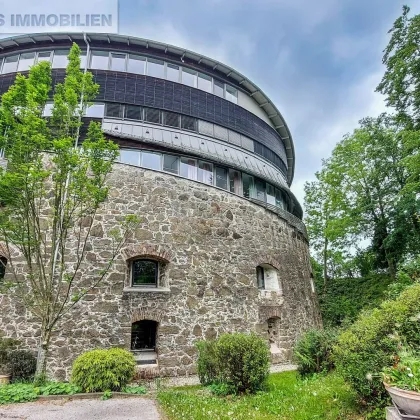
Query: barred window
171	119
144	273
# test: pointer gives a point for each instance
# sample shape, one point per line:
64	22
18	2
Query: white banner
33	16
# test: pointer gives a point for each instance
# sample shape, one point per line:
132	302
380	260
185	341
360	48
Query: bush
240	361
364	349
313	351
16	393
6	346
103	370
22	365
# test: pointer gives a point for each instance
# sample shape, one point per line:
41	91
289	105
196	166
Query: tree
51	193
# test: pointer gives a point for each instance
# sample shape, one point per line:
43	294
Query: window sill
146	290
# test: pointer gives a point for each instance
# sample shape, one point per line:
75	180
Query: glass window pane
260	189
172	72
133	112
152	115
96	111
48	110
26	60
114	110
189	77
10	64
188	123
117	62
170	163
271	195
280	200
99	60
44	56
204	82
221	177
150	160
218	88
83	60
248	185
260	278
235	181
171	119
144	272
155	68
231	94
205	172
60	60
188	168
132	157
136	64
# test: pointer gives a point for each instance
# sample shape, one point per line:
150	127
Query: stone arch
147	314
270	261
156	252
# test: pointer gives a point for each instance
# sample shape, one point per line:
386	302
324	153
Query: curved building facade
207	160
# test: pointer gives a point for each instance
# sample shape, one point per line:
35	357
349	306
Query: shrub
6	346
103	370
16	393
240	361
22	365
364	349
59	388
207	362
313	351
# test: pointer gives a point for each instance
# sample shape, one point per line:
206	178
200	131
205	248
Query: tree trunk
325	265
392	269
41	361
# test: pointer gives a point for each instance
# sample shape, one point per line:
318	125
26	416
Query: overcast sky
318	61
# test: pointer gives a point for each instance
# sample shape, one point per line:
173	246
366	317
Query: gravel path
112	409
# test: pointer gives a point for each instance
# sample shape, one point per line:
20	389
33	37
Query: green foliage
106	395
364	349
345	298
103	370
59	388
287	397
17	393
222	389
241	361
313	351
406	373
6	346
22	365
137	390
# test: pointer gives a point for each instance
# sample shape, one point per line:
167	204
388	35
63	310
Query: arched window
3	263
144	273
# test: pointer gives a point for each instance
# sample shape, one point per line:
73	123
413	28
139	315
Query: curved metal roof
255	92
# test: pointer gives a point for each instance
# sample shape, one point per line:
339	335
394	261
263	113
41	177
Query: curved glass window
171	164
26	61
155	68
189	77
204	82
172	72
205	172
44	56
10	64
218	88
188	168
136	64
60	60
99	60
150	160
117	62
231	94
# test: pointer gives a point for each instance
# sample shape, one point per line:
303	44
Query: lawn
288	397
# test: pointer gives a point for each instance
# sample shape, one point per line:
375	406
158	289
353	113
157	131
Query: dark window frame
260	278
156	274
3	263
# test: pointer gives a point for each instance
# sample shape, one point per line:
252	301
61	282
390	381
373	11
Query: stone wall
208	243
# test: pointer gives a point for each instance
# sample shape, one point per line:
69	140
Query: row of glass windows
131	63
231	180
184	122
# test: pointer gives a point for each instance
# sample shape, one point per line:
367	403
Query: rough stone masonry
208	243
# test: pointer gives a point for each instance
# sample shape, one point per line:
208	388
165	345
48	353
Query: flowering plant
405	373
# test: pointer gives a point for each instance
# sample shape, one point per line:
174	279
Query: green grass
288	397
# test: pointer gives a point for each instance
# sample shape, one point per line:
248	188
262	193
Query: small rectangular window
152	115
150	160
188	168
117	62
44	56
133	112
60	59
99	60
188	123
144	273
171	119
231	94
204	82
132	157
205	172
26	60
172	72
221	178
248	185
155	68
170	164
95	111
136	64
10	64
218	88
114	110
260	278
235	181
271	195
189	77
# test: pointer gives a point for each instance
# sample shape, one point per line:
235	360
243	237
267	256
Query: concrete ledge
146	290
88	395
